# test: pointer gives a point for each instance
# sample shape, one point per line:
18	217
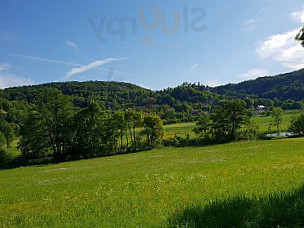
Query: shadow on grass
49	160
277	210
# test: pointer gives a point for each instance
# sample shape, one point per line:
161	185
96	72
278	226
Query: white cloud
214	83
298	16
191	70
76	48
72	44
248	25
93	65
254	73
10	80
283	48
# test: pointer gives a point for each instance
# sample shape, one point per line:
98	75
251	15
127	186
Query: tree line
54	128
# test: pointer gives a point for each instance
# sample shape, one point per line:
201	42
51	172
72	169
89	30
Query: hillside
109	94
114	95
283	87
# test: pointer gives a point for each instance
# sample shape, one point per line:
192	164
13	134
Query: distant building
261	109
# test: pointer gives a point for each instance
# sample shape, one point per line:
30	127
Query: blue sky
155	44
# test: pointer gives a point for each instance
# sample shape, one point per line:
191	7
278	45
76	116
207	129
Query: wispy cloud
248	25
8	79
46	60
93	65
191	70
72	44
76	48
4	67
298	16
283	49
254	73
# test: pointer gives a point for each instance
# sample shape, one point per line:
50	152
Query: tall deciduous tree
202	126
95	131
297	125
134	120
228	118
153	129
277	118
48	125
120	125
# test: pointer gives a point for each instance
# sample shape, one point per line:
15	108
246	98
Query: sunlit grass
184	129
13	150
181	129
146	189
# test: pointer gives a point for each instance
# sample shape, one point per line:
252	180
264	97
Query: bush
3	141
4	158
297	125
250	132
179	141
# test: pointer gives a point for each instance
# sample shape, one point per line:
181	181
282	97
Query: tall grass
150	189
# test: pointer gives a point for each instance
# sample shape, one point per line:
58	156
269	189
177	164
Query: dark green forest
283	87
285	90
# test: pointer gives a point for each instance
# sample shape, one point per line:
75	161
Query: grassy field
184	129
159	188
264	122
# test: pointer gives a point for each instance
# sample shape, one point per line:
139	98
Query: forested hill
283	86
109	94
117	95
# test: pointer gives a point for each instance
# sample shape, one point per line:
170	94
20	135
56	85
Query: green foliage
4	158
48	127
202	126
277	118
7	130
35	141
93	133
120	124
250	131
3	150
54	127
283	87
153	129
3	141
133	120
108	94
297	125
228	118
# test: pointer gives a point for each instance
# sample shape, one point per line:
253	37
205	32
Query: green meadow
248	183
184	129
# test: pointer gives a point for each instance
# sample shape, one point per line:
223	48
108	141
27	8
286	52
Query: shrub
4	158
3	141
250	132
297	125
